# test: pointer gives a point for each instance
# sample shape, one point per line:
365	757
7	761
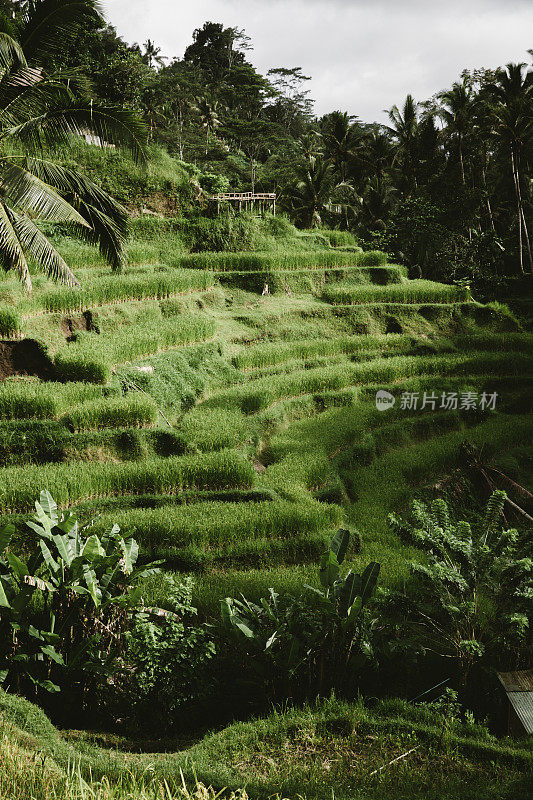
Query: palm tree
456	111
340	137
405	130
151	54
37	114
207	113
512	118
317	193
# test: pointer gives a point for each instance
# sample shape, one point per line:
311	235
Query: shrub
306	647
443	608
87	582
167	659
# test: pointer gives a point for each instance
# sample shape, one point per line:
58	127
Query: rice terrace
265	425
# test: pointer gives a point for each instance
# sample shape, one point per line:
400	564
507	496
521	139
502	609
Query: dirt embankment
24	357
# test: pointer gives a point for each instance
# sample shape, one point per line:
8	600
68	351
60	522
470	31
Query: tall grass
31	399
132	411
309	280
241	262
196	536
91	356
271	354
417	291
258	394
10	322
100	286
19	486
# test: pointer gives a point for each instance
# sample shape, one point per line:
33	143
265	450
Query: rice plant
10	323
148	335
416	291
256	261
132	411
32	399
99	287
224	469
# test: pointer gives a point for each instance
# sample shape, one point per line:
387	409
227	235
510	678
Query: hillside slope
234	431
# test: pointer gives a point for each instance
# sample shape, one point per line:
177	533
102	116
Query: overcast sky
363	55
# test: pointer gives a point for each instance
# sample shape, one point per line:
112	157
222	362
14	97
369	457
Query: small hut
518	687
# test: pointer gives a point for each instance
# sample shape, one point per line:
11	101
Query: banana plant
345	596
291	641
85	581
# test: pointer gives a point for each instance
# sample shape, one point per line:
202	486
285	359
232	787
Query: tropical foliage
40	110
61	610
470	599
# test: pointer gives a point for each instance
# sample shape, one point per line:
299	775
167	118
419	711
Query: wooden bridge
264	199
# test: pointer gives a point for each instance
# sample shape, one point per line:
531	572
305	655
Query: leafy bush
470	599
307	647
61	610
169	661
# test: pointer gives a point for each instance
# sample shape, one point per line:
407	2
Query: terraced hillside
234	430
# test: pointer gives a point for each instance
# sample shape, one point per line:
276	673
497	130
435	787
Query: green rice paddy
233	431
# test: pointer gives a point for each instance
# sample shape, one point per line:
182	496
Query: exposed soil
86	321
25	357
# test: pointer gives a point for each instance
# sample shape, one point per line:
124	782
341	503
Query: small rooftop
518	686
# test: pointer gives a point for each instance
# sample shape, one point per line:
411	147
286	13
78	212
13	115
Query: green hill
304	753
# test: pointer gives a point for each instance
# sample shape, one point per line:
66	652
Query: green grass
32	399
10	322
92	356
133	411
100	286
210	534
272	354
239	262
309	280
416	291
257	394
224	469
305	753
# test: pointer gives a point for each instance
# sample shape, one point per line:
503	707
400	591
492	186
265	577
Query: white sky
363	55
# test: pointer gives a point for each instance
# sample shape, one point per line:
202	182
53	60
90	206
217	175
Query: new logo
384	400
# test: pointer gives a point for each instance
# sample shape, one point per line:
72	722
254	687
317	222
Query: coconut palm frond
107	219
11	53
104	231
28	193
115	126
11	252
36	245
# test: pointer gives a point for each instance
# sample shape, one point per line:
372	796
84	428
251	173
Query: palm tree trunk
523	218
518	213
461	160
180	135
